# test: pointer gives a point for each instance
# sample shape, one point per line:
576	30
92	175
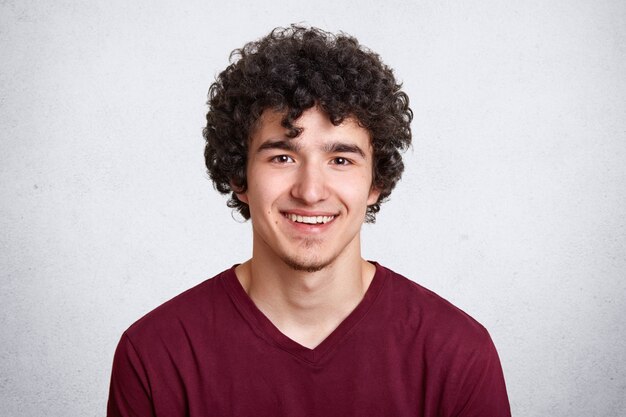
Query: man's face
308	195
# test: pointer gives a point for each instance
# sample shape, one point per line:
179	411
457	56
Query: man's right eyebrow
284	145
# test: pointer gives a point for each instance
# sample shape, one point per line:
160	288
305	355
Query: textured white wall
513	204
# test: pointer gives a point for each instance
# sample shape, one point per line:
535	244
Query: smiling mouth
308	219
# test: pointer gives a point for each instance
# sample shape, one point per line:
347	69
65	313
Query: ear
372	198
243	197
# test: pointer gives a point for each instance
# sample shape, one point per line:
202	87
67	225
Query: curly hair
291	70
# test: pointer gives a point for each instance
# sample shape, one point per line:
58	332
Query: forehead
314	125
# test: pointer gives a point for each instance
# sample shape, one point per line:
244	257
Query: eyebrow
342	147
285	145
292	146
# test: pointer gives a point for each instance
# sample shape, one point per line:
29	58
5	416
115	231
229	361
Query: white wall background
513	203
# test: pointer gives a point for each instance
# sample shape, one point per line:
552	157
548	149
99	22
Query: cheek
356	192
263	190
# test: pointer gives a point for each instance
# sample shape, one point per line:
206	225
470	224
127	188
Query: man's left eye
341	161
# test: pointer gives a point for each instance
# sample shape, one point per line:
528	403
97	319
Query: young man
305	130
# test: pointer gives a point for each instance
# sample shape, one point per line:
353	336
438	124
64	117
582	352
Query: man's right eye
282	159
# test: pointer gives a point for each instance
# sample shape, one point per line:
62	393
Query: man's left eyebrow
342	147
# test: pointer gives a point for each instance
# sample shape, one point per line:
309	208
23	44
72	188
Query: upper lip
305	213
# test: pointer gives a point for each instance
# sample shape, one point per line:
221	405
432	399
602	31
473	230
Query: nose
310	185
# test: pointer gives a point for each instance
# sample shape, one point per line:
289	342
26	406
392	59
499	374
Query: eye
282	159
339	160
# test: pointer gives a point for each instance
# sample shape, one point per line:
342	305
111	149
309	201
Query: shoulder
458	350
186	310
414	307
455	350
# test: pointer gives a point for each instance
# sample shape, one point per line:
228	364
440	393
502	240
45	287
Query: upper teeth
309	219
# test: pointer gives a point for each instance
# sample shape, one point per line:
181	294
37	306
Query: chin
306	265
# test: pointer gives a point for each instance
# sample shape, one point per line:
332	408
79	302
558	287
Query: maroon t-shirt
403	351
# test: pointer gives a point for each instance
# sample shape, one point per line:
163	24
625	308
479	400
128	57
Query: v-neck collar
267	330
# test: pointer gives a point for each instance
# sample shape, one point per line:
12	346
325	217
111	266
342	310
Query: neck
306	306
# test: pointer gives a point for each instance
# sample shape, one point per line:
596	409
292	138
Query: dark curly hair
291	70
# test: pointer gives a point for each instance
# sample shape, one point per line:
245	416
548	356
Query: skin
307	278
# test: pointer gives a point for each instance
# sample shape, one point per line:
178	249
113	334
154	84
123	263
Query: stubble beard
307	264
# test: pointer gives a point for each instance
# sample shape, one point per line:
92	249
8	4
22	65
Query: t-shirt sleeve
129	392
482	391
